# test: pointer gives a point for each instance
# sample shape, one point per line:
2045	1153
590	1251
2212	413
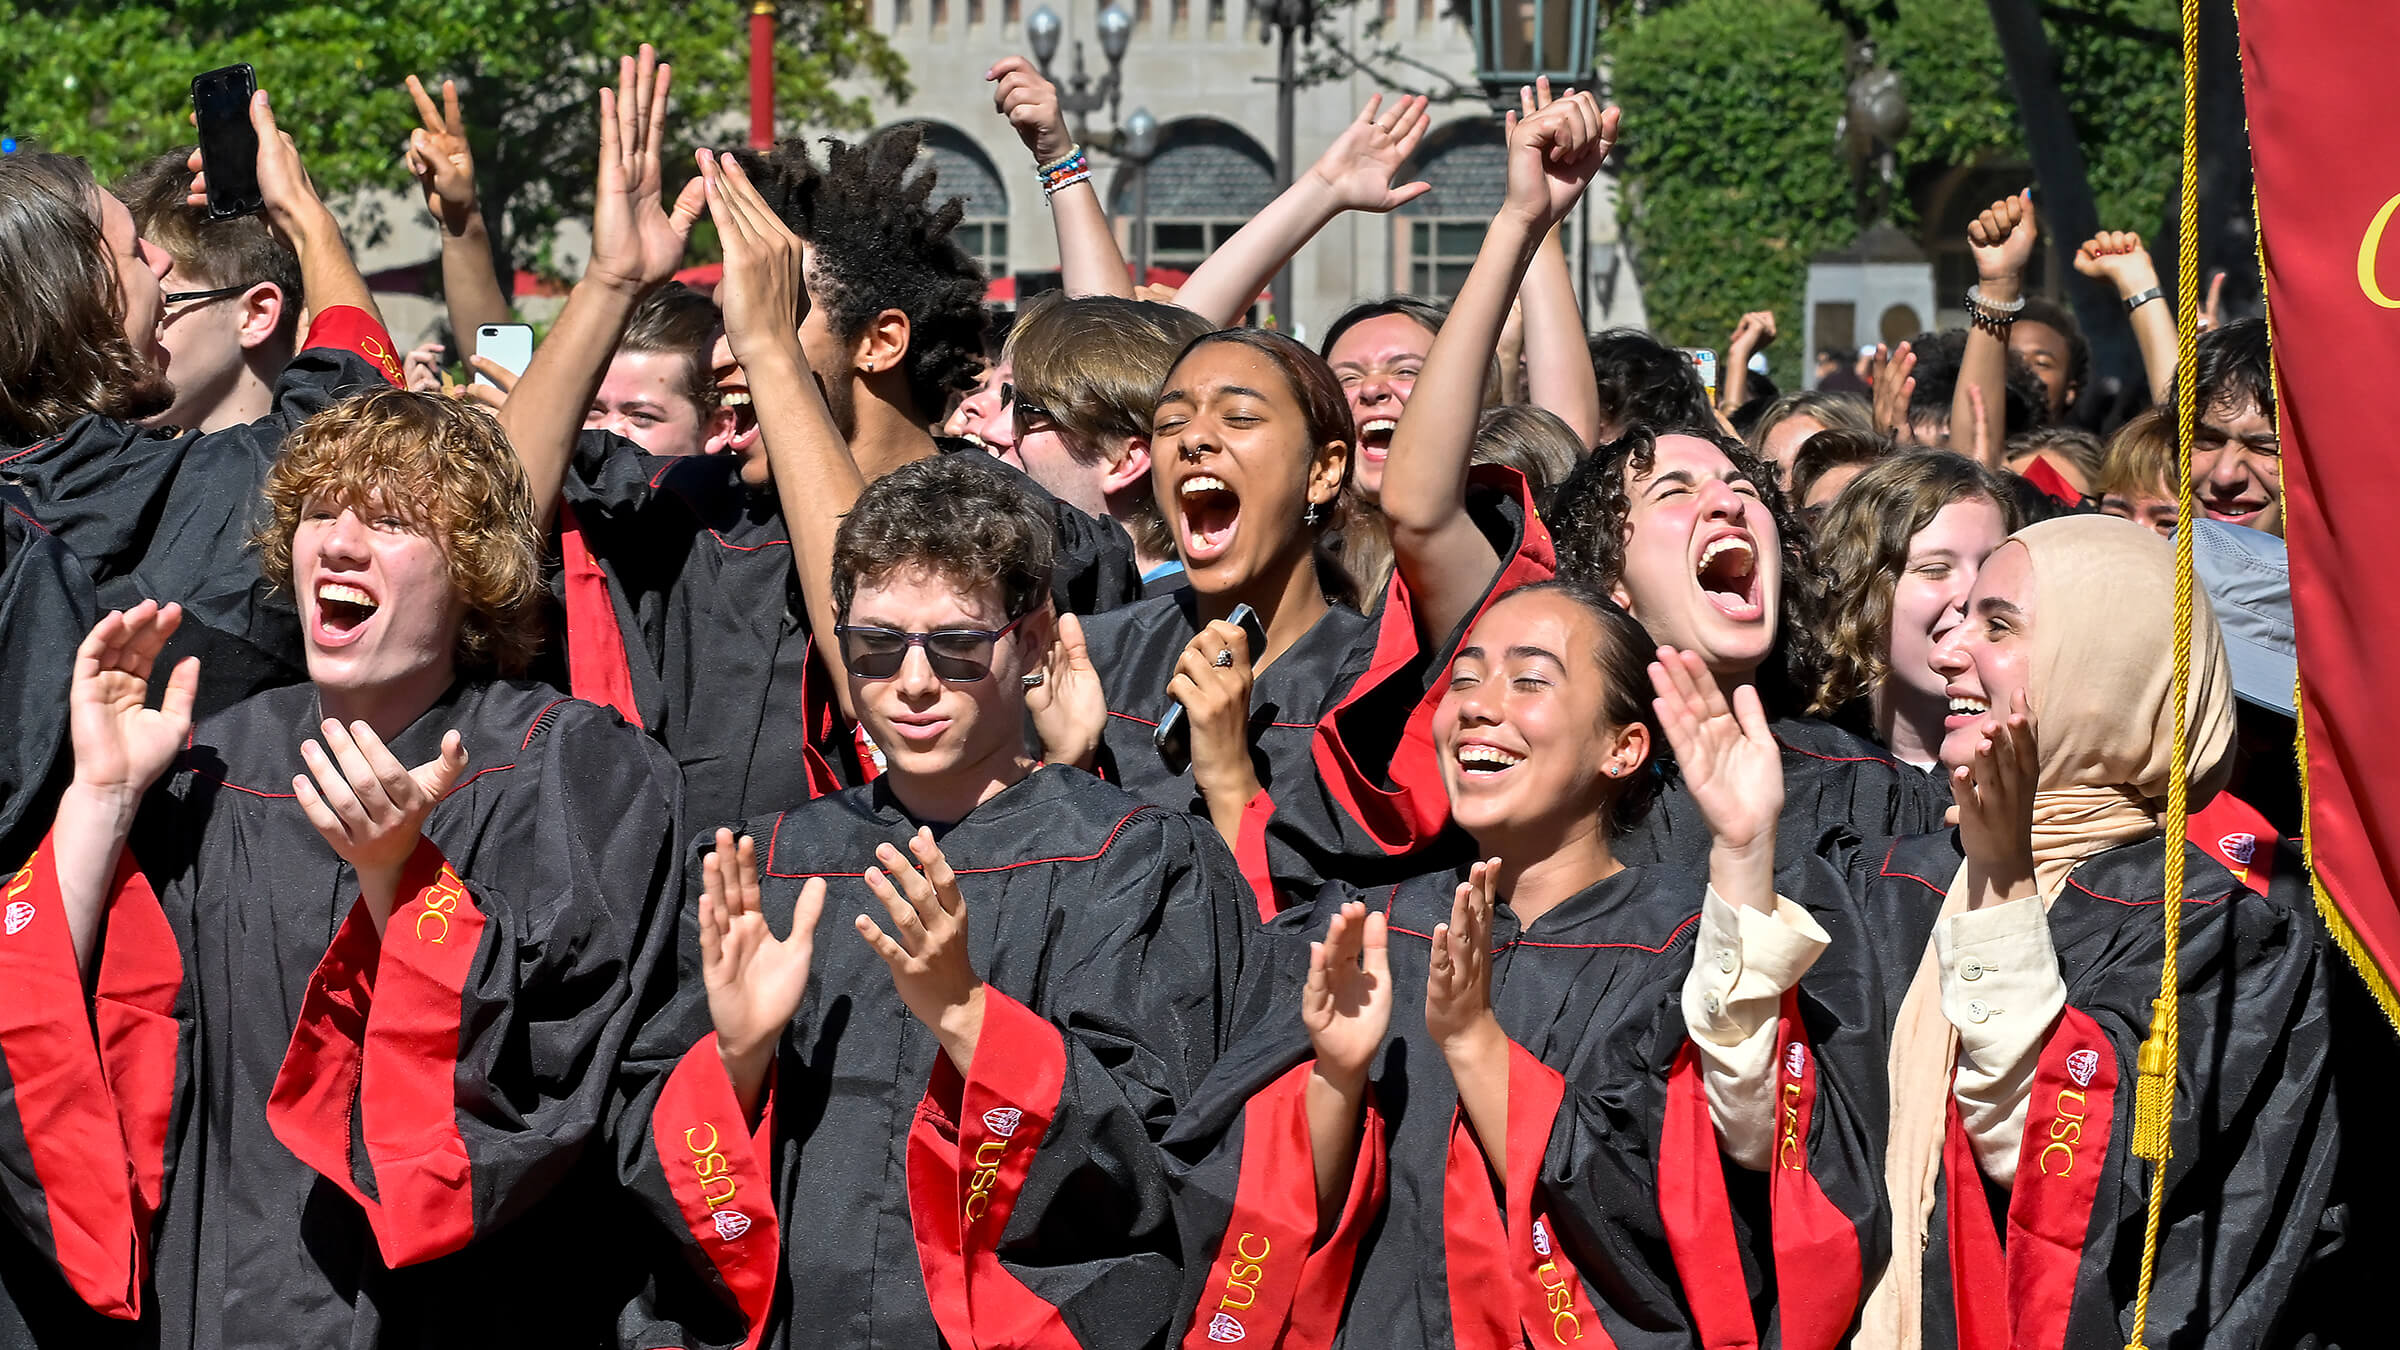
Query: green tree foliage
1732	181
1732	175
111	80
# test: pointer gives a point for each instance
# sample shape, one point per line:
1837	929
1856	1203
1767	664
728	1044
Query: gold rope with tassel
2154	1091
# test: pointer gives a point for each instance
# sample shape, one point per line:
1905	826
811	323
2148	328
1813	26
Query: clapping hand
1892	375
369	806
1727	755
121	744
927	946
1347	1002
755	980
1458	984
1994	792
1069	706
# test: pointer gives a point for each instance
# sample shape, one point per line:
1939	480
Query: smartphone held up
228	141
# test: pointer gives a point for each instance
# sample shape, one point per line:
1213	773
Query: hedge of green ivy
1733	180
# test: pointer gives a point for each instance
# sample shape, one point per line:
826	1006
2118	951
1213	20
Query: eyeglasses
1030	417
217	294
957	655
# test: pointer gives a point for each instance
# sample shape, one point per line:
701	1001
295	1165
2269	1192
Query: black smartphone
228	143
1174	736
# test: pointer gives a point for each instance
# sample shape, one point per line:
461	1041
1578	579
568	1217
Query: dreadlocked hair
880	242
1591	519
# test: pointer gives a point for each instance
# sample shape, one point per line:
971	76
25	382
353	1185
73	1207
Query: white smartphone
506	345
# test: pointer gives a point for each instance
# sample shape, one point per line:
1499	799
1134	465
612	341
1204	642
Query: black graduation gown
46	608
1837	790
1341	724
2053	1261
165	515
687	572
1614	1221
292	1132
1025	1205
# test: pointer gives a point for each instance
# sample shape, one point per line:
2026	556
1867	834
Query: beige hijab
2101	684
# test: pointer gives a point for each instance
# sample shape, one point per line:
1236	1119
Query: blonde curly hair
447	468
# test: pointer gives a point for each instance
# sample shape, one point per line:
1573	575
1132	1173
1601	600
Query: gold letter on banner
2367	248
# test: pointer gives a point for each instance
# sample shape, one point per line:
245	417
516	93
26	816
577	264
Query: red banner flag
2321	103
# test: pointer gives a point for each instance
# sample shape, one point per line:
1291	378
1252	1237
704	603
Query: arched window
965	171
1206	181
1440	232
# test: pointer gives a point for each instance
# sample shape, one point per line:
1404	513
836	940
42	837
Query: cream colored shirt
2002	989
1743	962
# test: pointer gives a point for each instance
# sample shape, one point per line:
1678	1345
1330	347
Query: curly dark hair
1591	518
2052	315
1644	380
962	521
1864	538
880	243
1939	356
1624	653
2235	367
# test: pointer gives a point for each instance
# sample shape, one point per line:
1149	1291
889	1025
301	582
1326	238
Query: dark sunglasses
957	655
218	294
1030	417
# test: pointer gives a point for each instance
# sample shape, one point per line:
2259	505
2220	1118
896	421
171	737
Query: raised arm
328	276
1752	335
2002	241
1089	261
1558	365
1445	560
765	296
636	245
2118	257
1752	946
1354	174
444	165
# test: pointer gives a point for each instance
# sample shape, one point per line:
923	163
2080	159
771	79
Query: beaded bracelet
1065	172
1991	316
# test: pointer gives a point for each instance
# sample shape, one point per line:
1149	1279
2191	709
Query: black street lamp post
1136	144
1079	98
1520	41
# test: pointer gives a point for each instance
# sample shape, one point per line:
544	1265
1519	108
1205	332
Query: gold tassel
2154	1091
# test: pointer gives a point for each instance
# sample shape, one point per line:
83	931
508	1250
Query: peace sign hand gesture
439	156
